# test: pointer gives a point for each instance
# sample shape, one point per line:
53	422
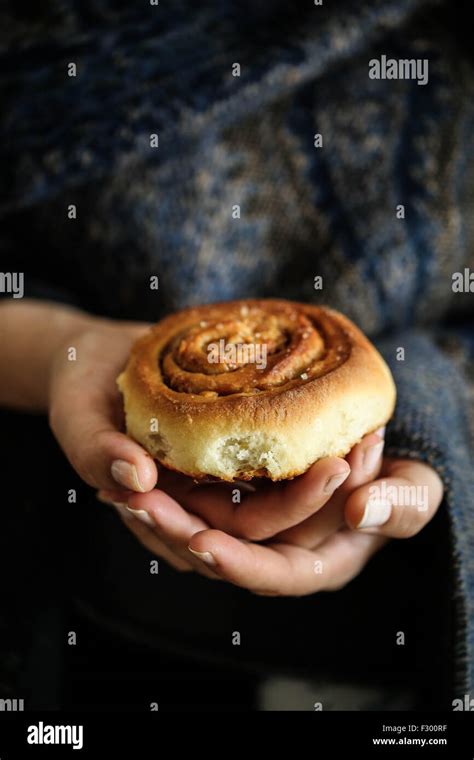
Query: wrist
32	333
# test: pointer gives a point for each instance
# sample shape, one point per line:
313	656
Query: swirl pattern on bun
254	388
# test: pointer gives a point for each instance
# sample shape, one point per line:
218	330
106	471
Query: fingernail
376	513
381	432
140	514
335	481
372	455
126	474
206	557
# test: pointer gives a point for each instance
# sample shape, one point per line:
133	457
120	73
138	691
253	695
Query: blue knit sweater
210	175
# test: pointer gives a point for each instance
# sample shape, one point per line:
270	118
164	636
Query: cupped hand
314	533
85	406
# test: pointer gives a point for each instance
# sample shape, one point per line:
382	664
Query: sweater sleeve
433	421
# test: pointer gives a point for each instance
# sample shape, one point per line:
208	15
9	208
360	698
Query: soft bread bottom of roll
245	453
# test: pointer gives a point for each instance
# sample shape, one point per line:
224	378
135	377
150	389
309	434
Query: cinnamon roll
254	388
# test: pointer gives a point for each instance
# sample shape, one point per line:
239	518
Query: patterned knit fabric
249	141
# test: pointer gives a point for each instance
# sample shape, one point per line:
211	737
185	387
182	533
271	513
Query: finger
170	523
114	498
398	505
150	541
281	569
274	507
144	534
365	461
316	529
84	423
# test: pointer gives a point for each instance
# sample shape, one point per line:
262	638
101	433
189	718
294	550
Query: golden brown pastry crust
323	387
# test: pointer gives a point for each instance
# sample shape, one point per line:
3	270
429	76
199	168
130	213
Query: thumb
398	505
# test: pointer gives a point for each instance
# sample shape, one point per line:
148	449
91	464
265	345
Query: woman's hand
318	531
85	406
63	361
